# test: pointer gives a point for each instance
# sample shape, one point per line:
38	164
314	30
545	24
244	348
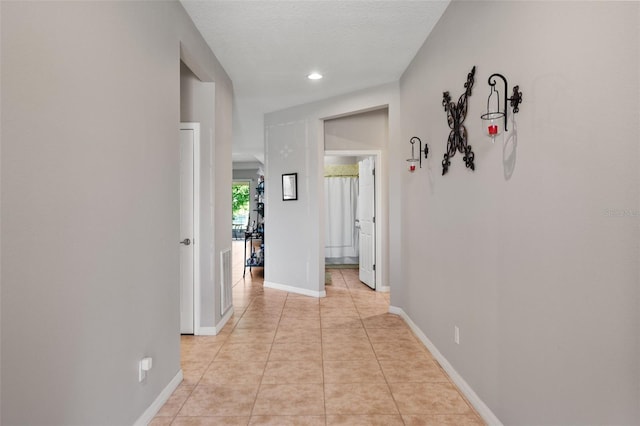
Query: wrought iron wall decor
413	160
456	113
491	119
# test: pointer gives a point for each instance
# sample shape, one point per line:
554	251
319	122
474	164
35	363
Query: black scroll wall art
456	113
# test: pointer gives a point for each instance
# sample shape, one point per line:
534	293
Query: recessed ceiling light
314	76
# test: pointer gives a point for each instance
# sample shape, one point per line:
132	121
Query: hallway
286	359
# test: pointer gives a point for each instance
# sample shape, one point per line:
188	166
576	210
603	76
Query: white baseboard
225	318
482	408
157	404
383	289
292	289
212	331
206	331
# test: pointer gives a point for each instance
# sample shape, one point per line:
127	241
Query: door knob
186	242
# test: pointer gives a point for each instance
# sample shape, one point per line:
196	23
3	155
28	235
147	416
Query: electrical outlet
456	334
141	373
144	365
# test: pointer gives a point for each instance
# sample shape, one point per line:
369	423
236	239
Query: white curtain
341	203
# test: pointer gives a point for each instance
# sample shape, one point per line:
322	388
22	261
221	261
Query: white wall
90	215
291	231
295	143
330	160
248	132
530	264
365	131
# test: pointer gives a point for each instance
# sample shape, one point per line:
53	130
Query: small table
255	259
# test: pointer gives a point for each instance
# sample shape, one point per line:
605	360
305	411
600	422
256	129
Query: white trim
384	289
206	331
196	228
196	220
381	242
482	408
225	318
213	331
157	404
292	289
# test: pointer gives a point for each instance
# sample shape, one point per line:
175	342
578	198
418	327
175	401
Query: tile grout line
366	330
255	400
253	298
226	340
261	302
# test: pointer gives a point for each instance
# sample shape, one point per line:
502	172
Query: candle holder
413	160
492	118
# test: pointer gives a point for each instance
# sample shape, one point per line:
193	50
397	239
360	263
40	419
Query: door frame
196	222
379	214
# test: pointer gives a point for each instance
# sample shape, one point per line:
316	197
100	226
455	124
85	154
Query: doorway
352	200
197	105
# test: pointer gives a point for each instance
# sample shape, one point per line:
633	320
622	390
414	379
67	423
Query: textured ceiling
268	48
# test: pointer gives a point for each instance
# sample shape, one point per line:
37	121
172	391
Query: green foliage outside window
240	200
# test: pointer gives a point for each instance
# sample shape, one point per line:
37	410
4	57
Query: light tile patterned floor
285	359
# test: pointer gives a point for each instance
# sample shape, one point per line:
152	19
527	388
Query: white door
366	218
187	140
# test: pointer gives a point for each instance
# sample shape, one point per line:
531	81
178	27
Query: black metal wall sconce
413	160
491	119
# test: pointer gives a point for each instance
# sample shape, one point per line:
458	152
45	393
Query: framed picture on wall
289	186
